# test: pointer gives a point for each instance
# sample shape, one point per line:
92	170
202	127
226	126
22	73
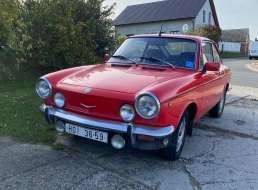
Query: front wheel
173	152
217	110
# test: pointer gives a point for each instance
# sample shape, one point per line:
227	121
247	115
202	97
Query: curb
252	66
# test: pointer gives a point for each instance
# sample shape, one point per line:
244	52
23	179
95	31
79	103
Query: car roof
254	43
197	38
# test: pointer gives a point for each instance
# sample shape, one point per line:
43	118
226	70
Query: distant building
235	40
177	16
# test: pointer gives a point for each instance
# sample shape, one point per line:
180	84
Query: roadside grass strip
19	114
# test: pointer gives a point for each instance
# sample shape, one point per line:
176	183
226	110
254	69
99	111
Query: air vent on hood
154	68
121	65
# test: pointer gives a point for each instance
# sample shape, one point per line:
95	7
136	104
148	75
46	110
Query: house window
128	35
175	32
209	17
204	13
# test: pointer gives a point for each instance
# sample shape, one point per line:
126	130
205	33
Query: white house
177	16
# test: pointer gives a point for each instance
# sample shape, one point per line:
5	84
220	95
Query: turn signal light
145	138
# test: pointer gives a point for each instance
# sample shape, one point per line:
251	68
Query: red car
147	95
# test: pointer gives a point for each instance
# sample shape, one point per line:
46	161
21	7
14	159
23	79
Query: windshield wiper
123	57
156	59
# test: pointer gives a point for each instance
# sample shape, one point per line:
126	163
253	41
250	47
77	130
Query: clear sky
232	14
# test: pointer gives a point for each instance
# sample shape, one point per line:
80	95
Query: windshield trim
162	61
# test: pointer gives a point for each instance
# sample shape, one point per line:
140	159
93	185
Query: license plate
253	51
86	132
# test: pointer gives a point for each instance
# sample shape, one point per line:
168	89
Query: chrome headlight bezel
41	82
127	107
156	101
59	99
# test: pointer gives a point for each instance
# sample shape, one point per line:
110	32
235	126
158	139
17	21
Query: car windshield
169	52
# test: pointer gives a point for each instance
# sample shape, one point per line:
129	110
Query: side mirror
211	66
106	56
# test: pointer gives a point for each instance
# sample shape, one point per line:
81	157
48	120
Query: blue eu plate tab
189	64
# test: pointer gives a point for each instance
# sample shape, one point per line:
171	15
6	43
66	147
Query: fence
229	47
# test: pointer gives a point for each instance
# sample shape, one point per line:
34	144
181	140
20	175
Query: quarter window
216	55
207	53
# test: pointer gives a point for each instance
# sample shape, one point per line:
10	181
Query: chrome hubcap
221	103
181	132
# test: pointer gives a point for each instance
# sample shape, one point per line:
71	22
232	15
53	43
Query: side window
216	55
207	52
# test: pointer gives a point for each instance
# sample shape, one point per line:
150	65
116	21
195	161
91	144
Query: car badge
87	90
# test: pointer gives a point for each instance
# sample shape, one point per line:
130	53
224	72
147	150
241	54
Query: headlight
127	113
59	99
147	105
44	88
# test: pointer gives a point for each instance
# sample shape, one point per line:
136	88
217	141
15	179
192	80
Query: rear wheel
217	110
173	152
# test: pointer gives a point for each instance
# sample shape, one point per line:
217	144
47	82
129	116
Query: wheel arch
192	110
227	86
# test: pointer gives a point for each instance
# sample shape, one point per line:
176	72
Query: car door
211	79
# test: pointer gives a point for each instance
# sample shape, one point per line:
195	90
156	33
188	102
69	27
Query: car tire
173	152
250	57
217	110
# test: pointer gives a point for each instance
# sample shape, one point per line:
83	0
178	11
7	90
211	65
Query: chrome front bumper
229	87
131	129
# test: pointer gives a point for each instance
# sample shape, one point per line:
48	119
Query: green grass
19	114
232	55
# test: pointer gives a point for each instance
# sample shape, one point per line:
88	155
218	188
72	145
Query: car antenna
160	32
161	28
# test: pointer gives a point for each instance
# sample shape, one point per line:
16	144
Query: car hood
117	78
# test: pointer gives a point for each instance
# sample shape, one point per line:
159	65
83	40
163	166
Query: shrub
65	33
209	31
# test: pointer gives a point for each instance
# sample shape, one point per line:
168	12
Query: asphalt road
241	75
221	154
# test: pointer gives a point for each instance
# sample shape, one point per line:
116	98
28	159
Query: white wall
199	18
230	46
153	27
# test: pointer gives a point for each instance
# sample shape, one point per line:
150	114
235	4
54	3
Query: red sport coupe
146	95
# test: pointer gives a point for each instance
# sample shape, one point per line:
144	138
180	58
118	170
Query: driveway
221	154
243	72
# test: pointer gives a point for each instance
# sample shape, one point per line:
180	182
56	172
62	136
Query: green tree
209	31
119	40
12	35
101	26
65	33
